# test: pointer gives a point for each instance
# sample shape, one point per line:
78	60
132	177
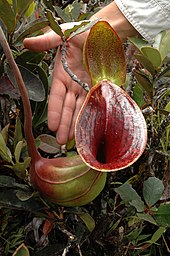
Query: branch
68	70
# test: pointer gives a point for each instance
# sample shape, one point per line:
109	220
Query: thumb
43	42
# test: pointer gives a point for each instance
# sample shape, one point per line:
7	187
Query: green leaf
17	151
62	14
165	72
88	220
32	82
162	43
54	23
152	190
22	6
18	132
138	42
147	217
73	10
4	133
8	199
167	107
48	144
153	55
7	16
79	28
40	112
129	195
162	216
159	232
4	150
10	182
147	64
138	95
22	250
20	168
24	195
29	59
30	10
144	82
32	28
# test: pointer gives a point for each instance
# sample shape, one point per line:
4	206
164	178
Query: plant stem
67	69
26	103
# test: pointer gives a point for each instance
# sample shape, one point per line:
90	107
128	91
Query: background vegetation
132	214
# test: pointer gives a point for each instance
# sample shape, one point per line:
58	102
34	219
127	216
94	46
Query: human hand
66	96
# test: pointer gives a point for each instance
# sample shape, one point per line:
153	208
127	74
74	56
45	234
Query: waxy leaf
162	215
145	63
162	43
152	190
22	250
129	195
153	55
34	26
104	54
7	16
110	129
144	82
54	23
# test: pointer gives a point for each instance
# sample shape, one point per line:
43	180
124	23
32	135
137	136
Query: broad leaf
30	10
147	64
7	16
153	55
138	42
7	88
162	215
144	82
33	84
5	133
33	27
79	28
4	150
18	132
158	233
152	190
62	14
110	129
54	23
138	95
8	199
48	144
162	43
129	195
22	250
167	107
88	220
104	54
22	6
147	217
17	151
10	182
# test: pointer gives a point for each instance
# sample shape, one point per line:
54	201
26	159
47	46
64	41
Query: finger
57	95
55	105
66	118
79	104
43	42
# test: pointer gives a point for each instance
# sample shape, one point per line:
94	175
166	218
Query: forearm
117	20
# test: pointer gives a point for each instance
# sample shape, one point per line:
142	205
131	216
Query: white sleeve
148	17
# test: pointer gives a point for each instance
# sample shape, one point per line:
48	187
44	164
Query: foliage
131	215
